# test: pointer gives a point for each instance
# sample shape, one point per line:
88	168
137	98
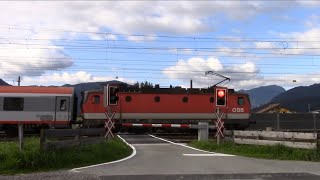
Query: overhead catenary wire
19	27
240	52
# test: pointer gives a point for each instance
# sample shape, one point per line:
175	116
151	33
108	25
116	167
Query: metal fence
292	122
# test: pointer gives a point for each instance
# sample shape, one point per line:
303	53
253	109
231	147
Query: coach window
13	104
96	99
63	105
240	101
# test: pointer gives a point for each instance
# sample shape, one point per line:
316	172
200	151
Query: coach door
62	109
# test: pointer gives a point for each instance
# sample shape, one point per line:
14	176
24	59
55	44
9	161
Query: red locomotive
56	106
166	105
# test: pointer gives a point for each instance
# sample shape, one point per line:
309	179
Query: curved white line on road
179	144
134	152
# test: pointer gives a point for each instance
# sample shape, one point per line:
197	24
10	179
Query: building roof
268	108
36	89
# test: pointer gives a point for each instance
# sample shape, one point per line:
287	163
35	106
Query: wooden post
314	122
278	121
20	127
42	138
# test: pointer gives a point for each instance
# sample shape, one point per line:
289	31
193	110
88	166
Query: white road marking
186	146
134	152
153	144
205	155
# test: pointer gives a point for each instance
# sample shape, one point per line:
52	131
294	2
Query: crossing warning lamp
113	95
221	97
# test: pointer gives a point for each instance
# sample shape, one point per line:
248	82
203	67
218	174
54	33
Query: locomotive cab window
96	99
63	105
13	104
240	101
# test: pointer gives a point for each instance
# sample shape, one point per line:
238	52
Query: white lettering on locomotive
237	109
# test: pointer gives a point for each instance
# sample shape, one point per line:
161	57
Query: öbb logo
237	110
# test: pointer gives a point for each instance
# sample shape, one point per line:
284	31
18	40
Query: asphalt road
156	159
172	161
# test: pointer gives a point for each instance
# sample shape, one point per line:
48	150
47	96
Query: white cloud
243	76
50	20
264	45
25	57
141	38
134	16
195	68
303	42
313	21
311	3
294	43
68	78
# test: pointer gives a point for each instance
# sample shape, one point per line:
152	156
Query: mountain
300	98
263	95
3	83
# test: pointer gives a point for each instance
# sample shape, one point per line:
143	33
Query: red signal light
221	93
221	97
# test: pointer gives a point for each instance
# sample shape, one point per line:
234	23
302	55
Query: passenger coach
36	107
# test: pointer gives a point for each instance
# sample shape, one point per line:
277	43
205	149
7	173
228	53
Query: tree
144	84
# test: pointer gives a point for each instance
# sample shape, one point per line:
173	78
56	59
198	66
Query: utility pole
20	127
19	80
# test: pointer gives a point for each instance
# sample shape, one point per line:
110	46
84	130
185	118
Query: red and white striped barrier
157	125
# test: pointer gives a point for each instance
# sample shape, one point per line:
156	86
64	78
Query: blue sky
255	43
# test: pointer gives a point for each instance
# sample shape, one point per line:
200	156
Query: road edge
134	152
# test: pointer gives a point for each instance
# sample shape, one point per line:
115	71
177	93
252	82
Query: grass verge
269	152
12	161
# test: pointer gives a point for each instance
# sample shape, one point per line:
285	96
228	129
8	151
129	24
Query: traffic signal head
113	95
221	97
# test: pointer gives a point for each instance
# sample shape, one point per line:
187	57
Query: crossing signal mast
221	102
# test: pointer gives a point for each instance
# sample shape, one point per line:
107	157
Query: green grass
268	152
12	161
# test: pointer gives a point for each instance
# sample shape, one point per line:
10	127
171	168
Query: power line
10	27
212	40
40	46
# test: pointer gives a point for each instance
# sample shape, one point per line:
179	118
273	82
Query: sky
254	43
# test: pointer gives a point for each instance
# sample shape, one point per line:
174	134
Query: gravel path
55	175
